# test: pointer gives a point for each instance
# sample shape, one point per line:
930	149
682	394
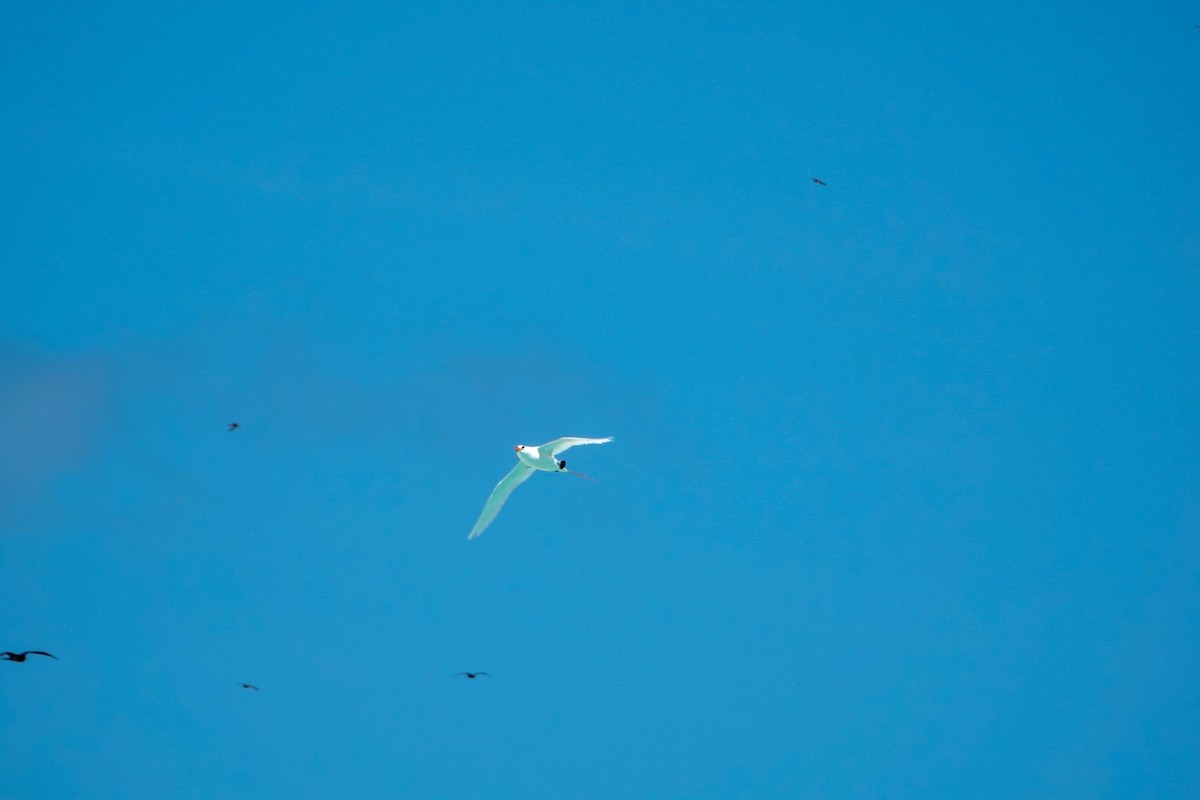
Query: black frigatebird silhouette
251	686
472	675
10	656
819	182
233	426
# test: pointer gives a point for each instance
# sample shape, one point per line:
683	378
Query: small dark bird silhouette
819	182
251	686
472	675
233	426
10	656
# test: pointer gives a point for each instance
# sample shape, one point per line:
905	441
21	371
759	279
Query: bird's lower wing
41	653
567	442
519	474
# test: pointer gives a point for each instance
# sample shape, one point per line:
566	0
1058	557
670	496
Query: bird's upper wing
503	489
41	653
567	442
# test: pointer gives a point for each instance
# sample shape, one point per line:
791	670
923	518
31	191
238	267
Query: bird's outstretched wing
41	653
567	442
519	474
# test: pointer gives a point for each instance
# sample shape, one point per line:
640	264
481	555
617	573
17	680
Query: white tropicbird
544	457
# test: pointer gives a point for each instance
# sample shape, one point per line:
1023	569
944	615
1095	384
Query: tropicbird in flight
544	457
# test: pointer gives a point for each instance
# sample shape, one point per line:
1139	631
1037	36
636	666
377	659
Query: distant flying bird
10	656
819	182
251	686
543	457
233	426
472	675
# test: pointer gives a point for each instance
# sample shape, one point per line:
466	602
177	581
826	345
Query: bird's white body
542	458
538	458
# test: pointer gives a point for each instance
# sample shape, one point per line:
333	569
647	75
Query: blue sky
904	495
